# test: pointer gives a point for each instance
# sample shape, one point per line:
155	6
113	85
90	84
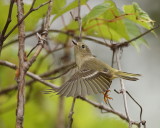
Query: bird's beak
74	42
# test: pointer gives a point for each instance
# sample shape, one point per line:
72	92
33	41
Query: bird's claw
106	97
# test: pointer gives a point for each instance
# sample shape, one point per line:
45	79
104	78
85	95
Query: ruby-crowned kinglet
93	76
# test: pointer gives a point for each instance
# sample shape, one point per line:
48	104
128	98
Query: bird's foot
106	97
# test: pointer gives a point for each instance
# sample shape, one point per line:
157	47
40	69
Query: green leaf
58	5
97	11
103	31
72	5
33	19
142	15
133	31
107	24
115	23
138	15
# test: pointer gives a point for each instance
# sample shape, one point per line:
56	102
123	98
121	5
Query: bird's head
81	49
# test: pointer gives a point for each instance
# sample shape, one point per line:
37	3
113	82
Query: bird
93	75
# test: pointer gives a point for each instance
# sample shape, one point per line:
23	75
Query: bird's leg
106	97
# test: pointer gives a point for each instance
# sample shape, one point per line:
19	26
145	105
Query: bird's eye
83	46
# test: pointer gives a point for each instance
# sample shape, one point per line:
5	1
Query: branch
27	36
143	122
30	74
71	33
41	59
126	43
112	46
70	116
42	37
9	19
64	72
123	92
21	75
34	76
79	19
101	107
141	109
25	16
4	37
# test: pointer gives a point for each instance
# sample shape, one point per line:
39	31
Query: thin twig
126	43
15	40
70	116
141	109
41	59
25	16
79	19
112	46
42	37
123	92
32	75
32	50
69	33
101	107
51	78
72	15
4	37
143	122
113	58
9	19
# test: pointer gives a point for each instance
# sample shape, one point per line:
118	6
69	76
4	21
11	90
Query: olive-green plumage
93	76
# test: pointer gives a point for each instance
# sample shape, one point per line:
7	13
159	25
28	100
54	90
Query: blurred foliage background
101	20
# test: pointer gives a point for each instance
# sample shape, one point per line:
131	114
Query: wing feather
66	91
89	89
84	89
92	87
85	82
69	93
62	89
100	84
95	84
78	89
105	81
74	89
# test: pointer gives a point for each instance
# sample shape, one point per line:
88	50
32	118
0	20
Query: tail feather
127	76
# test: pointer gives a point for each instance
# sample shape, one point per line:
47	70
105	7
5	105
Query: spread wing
85	82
